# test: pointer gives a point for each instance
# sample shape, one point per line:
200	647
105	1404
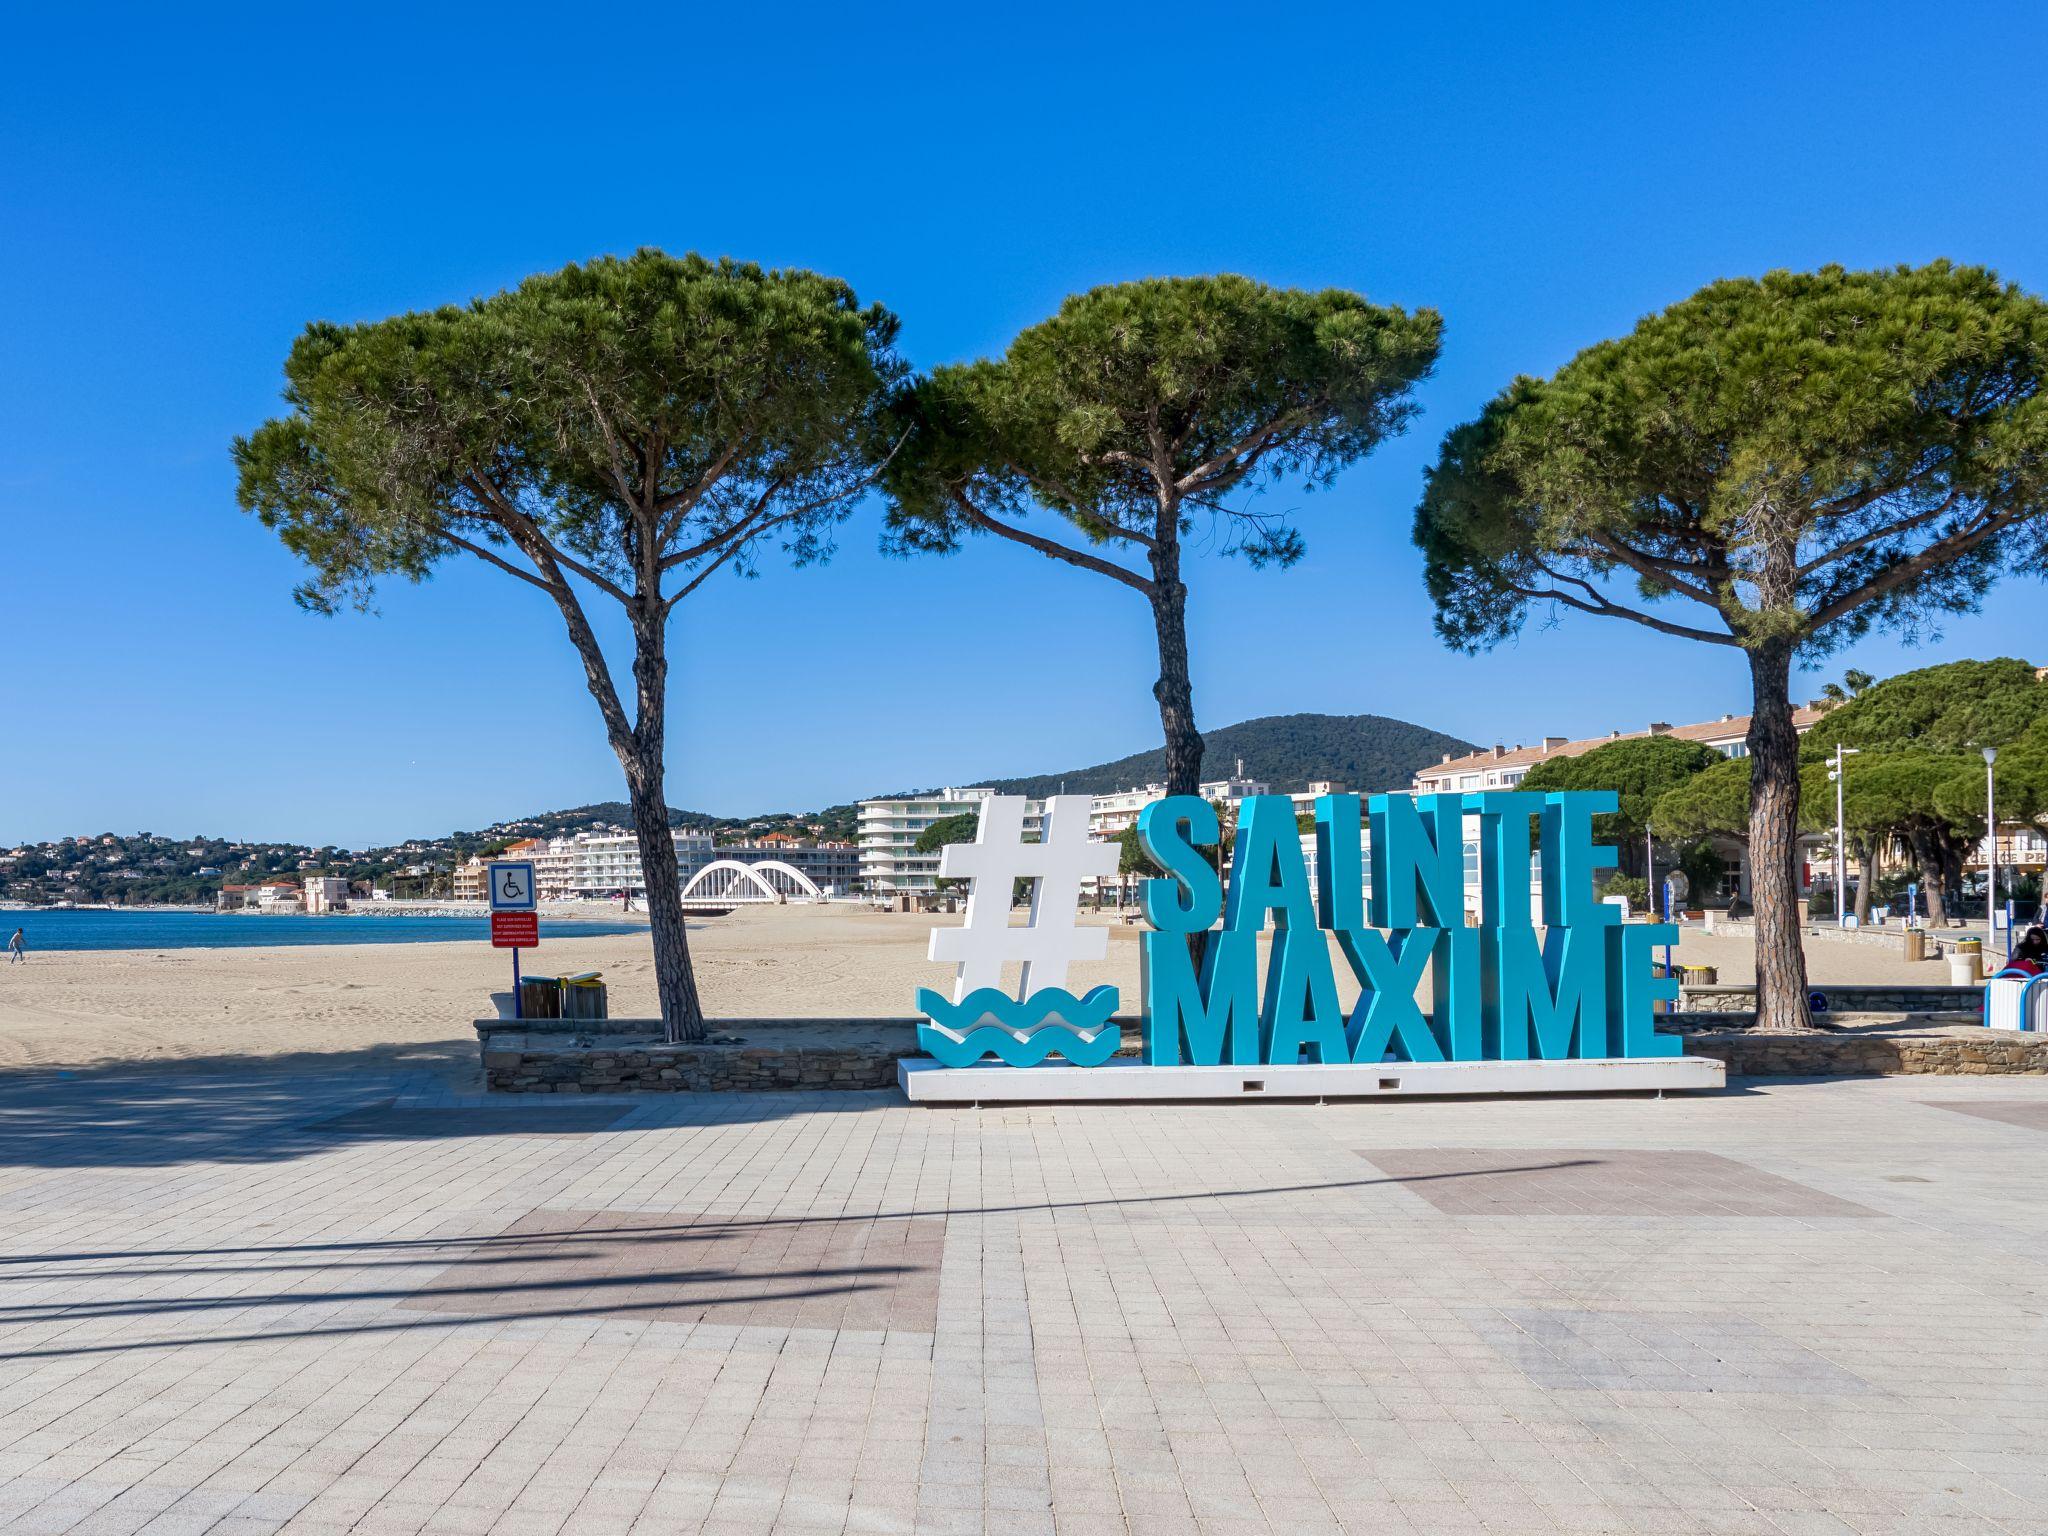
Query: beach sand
415	1002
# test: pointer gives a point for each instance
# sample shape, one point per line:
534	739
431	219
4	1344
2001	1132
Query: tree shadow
290	1104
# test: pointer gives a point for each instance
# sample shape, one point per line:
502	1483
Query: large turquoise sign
1549	973
1390	905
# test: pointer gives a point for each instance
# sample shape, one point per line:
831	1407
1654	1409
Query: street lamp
1991	849
1837	770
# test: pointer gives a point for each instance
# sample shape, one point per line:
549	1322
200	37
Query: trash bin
1965	967
1700	975
583	996
540	997
1916	944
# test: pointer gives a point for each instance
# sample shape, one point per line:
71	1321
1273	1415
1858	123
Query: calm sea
48	928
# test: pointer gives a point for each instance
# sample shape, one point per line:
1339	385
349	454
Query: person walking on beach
17	948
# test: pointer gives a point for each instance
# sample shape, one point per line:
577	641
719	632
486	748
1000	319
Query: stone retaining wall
1873	999
1952	1052
786	1056
741	1056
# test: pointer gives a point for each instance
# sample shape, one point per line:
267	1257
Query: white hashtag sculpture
994	861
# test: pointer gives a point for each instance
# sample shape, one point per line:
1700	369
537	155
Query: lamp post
1991	849
1837	771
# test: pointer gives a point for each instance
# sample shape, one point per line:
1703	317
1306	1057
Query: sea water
88	928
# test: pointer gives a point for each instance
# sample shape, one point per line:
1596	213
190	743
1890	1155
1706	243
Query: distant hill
1360	752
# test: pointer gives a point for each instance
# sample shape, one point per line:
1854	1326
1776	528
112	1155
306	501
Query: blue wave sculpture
1026	1031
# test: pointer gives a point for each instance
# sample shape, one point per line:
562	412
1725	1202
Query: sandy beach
81	1008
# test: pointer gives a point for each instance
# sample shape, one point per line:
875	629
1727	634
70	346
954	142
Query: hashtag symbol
998	858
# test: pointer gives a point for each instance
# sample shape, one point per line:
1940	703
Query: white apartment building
890	864
1503	767
889	827
597	866
325	893
1109	815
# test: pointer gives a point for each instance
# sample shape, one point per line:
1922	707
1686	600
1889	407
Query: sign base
924	1081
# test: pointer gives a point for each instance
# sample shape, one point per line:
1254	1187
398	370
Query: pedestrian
17	948
2030	956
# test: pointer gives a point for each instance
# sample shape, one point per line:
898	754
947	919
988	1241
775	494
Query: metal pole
1841	854
517	1011
1991	847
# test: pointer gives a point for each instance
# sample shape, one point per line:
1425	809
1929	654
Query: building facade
890	864
603	866
1503	767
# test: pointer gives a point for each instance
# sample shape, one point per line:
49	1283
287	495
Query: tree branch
1878	536
1598	602
1252	444
1652	568
484	552
677	505
1052	549
1902	572
524	531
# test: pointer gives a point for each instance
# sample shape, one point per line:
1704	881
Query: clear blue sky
181	191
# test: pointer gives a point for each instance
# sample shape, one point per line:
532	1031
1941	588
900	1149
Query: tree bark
1866	861
1774	840
1933	879
1173	691
675	980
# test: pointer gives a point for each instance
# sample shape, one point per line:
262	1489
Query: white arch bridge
728	882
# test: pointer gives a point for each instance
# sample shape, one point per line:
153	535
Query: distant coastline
581	912
56	930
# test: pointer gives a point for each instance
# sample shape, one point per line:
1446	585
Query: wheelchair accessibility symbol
511	887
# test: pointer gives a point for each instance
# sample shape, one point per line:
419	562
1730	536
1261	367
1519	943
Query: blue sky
181	192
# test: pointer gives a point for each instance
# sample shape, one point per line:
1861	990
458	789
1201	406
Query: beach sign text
1549	972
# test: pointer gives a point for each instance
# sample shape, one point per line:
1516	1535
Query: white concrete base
924	1081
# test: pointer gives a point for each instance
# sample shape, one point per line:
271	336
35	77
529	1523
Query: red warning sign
515	930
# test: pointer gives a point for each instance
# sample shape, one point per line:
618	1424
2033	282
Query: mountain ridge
1359	752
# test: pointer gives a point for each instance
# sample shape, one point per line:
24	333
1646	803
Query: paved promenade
362	1302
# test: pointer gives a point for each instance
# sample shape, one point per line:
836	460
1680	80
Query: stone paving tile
1196	1319
1623	1351
2027	1112
1469	1181
382	1119
801	1272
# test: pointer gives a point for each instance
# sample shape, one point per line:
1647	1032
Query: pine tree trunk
675	981
1866	859
1933	880
1774	840
1173	690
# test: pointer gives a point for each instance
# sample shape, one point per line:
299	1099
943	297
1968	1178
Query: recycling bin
583	996
540	997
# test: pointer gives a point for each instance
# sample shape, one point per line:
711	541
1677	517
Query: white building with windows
599	866
889	828
1503	767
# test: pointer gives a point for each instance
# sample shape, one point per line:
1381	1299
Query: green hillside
1359	752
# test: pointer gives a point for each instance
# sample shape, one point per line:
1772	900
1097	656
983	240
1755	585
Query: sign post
515	924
